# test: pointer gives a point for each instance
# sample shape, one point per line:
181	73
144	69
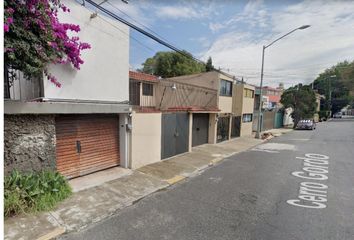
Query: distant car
306	124
337	115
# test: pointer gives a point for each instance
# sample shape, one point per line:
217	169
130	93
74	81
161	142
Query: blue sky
233	32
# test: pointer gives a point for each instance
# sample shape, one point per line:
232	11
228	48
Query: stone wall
29	142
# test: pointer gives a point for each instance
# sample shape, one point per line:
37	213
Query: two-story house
219	122
81	127
242	108
168	118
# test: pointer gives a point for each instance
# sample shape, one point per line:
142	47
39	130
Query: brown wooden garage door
86	143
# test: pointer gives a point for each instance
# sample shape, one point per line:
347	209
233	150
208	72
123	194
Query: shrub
33	192
323	114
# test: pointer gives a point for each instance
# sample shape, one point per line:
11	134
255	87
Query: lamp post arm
270	44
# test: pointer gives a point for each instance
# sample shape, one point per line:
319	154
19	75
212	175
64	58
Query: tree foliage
209	65
337	84
172	64
303	101
34	37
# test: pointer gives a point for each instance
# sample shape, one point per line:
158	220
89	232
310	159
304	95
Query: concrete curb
58	231
175	179
53	234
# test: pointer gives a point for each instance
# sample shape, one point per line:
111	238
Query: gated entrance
236	126
200	128
86	143
223	129
279	117
175	134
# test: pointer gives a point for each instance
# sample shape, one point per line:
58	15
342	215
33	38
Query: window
247	117
134	93
148	89
248	93
225	88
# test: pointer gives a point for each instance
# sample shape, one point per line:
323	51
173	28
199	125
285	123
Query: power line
115	7
150	35
142	31
142	44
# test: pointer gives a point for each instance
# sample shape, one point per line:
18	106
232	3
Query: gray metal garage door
175	134
200	129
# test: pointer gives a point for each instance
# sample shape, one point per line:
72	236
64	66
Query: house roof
142	76
140	109
194	109
270	88
273	98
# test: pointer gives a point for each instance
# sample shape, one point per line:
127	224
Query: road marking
264	150
299	139
312	194
276	146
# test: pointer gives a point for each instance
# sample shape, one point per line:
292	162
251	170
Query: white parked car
337	115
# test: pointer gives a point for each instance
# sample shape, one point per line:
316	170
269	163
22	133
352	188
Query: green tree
337	84
209	65
172	64
303	101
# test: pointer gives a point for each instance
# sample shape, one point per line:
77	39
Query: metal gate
279	117
268	120
236	126
175	134
200	129
223	129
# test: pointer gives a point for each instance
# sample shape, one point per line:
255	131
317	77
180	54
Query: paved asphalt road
245	197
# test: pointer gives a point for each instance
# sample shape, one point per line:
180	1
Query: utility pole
260	119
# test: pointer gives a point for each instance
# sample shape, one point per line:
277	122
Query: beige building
168	118
145	120
179	113
220	121
242	109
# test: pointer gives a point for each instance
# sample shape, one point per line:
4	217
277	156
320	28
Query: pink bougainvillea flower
6	27
41	16
10	20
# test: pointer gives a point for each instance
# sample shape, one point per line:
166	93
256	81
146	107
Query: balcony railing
173	95
18	87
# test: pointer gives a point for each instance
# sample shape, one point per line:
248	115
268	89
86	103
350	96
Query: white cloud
177	12
299	57
133	12
185	10
203	41
214	27
254	14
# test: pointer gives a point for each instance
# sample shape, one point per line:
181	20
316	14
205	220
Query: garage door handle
176	134
78	146
198	129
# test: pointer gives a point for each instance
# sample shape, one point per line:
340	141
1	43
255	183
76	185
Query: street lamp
330	92
258	135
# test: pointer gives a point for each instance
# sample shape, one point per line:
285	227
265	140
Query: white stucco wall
105	74
145	139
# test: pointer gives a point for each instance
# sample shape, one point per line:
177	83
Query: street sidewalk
95	203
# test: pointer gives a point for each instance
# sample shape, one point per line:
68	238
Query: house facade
271	96
81	127
242	108
219	122
145	141
175	119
